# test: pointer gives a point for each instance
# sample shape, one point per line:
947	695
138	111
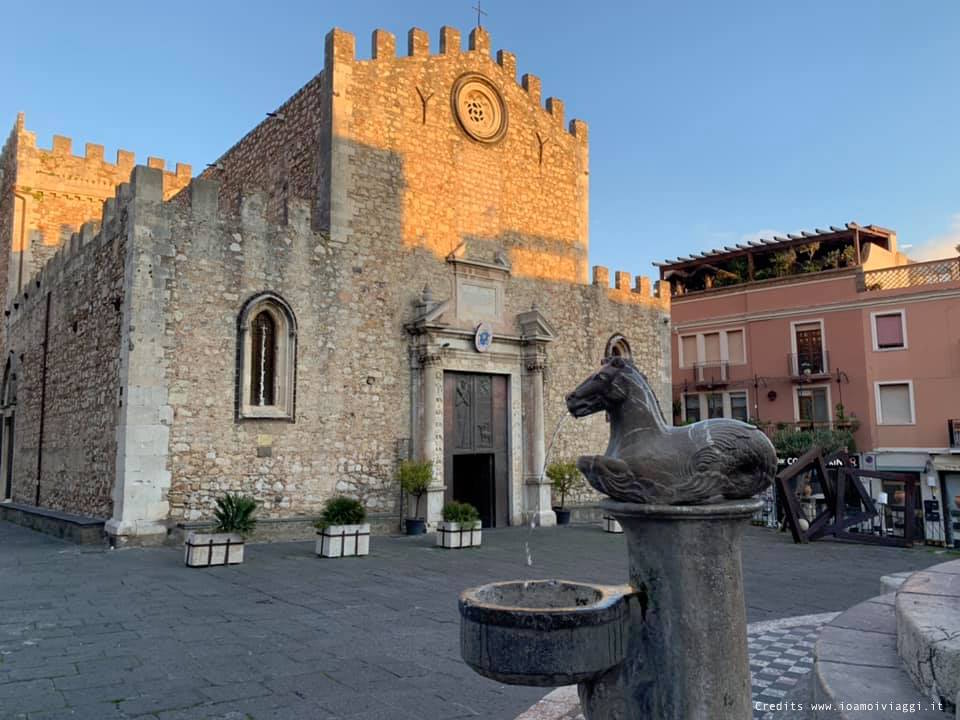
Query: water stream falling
564	416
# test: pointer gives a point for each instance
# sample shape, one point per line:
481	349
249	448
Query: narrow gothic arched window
264	362
617	346
267	350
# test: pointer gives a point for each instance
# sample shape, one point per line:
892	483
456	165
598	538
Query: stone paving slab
91	633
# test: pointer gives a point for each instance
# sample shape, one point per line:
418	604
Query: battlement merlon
340	46
643	290
200	200
90	167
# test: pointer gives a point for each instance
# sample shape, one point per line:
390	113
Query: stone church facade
392	264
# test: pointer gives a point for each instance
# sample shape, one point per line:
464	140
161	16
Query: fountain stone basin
544	633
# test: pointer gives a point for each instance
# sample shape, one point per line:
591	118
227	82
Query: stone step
857	670
928	630
890	583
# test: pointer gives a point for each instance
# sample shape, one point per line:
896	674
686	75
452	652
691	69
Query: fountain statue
671	644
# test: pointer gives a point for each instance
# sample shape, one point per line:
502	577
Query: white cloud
940	246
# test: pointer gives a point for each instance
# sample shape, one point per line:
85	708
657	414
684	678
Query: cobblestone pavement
92	633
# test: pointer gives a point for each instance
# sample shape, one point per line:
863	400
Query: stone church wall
400	187
73	382
350	402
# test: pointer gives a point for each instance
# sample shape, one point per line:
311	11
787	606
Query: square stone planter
458	535
206	549
610	524
338	541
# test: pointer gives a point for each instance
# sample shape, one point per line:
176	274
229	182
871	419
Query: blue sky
709	122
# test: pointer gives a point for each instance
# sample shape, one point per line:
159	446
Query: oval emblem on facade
483	338
479	108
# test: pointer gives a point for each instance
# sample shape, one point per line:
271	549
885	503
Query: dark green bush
234	514
565	477
460	512
794	443
342	510
415	478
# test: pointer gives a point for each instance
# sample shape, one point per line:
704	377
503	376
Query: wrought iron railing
711	373
771	428
912	275
808	365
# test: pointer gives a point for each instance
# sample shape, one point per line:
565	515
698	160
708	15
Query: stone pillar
431	435
538	490
144	417
687	648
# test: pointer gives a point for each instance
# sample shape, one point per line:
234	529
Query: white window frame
796	401
913	407
285	361
903	328
685	363
728	406
704	407
793	343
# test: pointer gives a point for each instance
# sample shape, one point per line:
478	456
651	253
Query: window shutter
689	350
711	346
889	331
735	346
895	404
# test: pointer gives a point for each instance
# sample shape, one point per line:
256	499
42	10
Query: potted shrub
460	527
342	531
224	546
415	477
565	477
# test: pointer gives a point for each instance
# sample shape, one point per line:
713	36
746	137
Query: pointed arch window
267	359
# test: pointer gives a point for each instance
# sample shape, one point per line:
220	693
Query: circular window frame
462	83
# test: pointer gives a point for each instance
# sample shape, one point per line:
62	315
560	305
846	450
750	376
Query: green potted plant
342	529
565	477
224	546
460	527
415	478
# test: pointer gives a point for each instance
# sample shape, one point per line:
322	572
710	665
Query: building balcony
808	367
953	432
708	375
912	275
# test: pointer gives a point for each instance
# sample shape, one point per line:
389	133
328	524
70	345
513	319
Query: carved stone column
537	489
430	429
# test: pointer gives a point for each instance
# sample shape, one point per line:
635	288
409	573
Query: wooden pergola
852	233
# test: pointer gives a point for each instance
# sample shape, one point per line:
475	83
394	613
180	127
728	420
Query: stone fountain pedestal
670	645
686	655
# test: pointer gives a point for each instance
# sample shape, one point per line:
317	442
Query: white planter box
344	541
458	535
610	524
206	549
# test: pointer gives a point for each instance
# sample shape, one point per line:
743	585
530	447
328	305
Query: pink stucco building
823	329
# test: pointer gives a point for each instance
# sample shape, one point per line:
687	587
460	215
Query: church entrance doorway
475	467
